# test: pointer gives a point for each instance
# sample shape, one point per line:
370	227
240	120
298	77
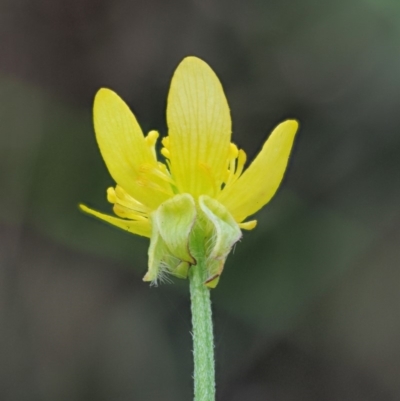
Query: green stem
203	338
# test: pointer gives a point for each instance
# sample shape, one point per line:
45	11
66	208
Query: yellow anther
233	151
152	137
231	170
119	210
168	164
151	140
240	163
236	168
123	199
111	196
124	212
163	175
242	157
123	196
149	170
163	167
165	142
165	153
248	225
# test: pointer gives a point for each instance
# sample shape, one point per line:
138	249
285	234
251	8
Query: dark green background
308	307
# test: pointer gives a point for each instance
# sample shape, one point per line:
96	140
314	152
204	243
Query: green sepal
213	281
182	270
223	233
156	251
169	250
175	219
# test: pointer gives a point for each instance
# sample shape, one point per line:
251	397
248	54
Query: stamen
163	176
124	212
242	157
174	188
240	165
151	140
232	166
151	170
152	137
233	154
131	203
233	151
165	153
248	225
168	164
165	142
236	165
111	196
163	168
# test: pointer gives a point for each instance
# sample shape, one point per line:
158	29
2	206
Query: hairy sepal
222	234
169	250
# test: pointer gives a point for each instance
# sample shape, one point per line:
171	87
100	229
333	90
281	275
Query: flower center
157	176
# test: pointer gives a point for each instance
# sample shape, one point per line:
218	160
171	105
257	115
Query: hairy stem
203	338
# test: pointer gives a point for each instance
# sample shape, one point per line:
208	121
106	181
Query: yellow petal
125	150
260	181
141	227
199	125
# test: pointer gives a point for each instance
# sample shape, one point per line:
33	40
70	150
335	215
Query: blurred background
308	307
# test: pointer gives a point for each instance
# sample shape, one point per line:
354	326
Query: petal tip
193	60
103	94
192	63
291	124
83	207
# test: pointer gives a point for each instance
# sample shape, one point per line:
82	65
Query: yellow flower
201	190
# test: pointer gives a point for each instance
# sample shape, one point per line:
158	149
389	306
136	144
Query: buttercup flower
201	191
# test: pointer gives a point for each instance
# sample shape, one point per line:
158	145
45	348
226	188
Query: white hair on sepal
210	243
164	277
165	270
